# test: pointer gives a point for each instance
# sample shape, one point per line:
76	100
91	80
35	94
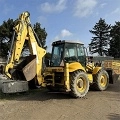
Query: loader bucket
26	69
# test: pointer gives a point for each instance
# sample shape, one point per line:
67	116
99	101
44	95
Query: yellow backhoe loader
68	69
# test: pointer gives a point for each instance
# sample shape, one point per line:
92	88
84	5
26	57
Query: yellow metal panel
90	77
75	66
66	76
96	69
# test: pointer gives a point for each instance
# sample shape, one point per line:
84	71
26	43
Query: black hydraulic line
37	39
40	45
10	52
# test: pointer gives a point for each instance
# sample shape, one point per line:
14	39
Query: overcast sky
63	19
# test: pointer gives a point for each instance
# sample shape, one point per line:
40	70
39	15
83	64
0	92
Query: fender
75	66
96	69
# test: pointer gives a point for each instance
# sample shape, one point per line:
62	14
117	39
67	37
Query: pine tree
6	31
99	43
114	49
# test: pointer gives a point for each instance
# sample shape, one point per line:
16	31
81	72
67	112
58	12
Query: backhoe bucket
26	69
30	69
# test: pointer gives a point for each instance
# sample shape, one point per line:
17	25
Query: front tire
79	84
101	80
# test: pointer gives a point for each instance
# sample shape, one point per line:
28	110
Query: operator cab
67	51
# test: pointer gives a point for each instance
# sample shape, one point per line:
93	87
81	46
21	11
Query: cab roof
66	41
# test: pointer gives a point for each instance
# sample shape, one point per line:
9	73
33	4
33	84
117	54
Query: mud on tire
79	84
101	80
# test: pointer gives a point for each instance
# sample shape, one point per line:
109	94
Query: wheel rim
81	84
103	80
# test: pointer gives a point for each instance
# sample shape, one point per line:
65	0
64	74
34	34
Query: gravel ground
43	105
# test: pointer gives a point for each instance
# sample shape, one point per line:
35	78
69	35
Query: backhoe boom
23	32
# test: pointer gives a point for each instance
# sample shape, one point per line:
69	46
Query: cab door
81	54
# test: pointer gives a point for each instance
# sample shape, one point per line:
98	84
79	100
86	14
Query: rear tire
101	80
79	84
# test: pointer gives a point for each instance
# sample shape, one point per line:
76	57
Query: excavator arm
24	31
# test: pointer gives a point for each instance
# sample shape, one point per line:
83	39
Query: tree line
6	33
105	40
